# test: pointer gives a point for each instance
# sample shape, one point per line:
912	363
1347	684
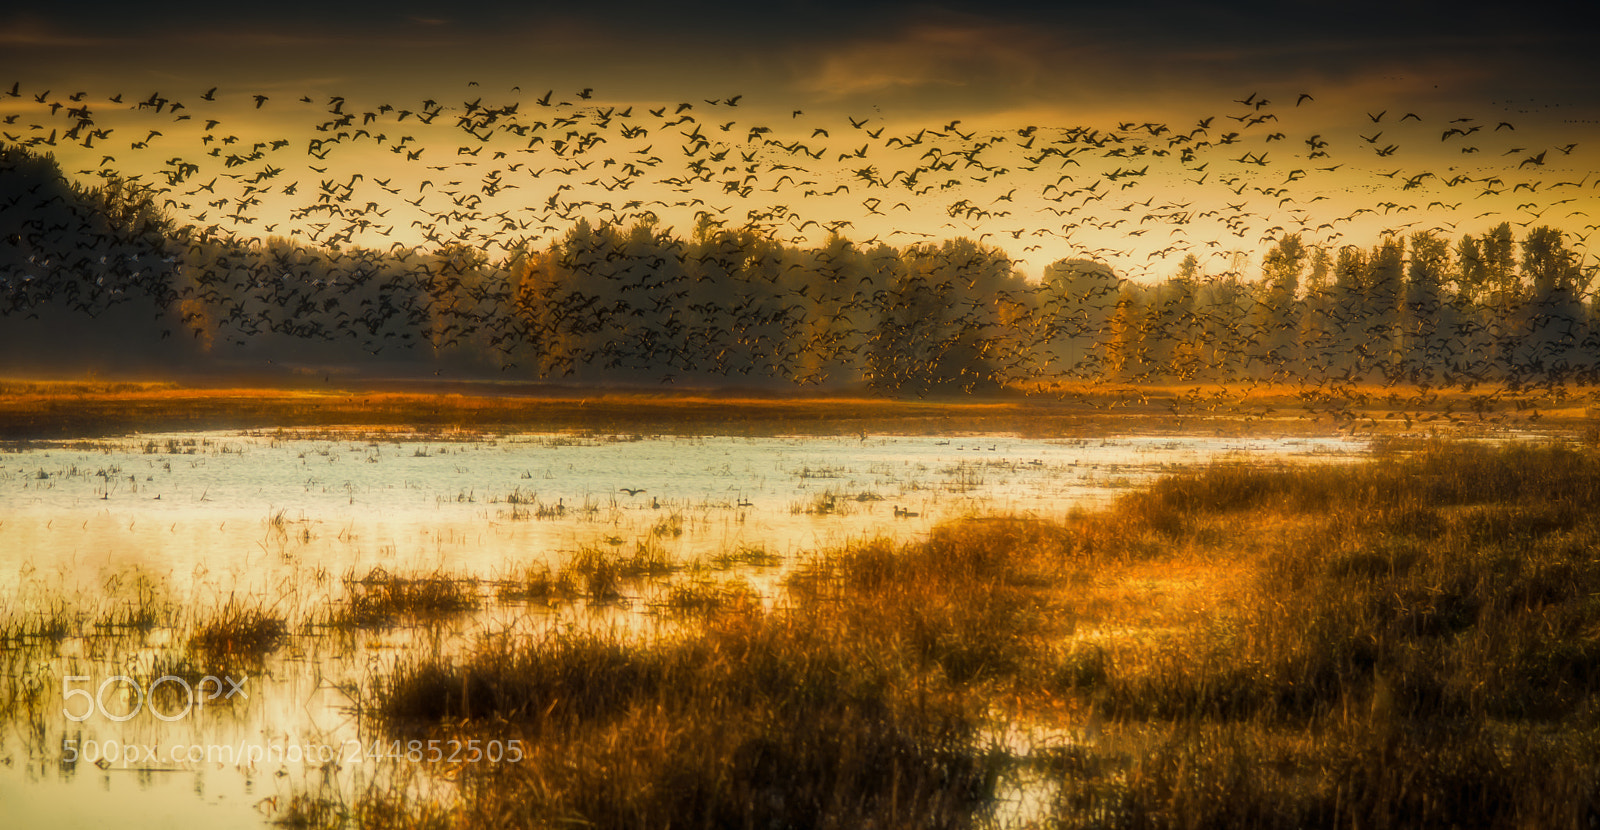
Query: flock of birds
427	173
371	222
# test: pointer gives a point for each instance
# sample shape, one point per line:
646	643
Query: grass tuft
381	599
239	633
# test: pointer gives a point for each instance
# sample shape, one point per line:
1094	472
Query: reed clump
375	809
38	627
1460	573
706	597
972	602
380	599
537	583
745	556
590	573
239	632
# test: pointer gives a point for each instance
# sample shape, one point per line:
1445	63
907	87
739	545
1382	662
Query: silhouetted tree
1077	300
1420	351
1553	315
1274	316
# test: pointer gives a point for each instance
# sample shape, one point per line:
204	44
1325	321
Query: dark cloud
1170	24
1001	54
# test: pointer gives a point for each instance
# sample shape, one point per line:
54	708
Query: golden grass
1411	641
1408	641
589	573
380	599
41	409
238	633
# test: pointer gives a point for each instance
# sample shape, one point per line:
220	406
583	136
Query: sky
1380	85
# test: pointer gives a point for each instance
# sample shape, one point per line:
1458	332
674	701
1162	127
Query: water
184	523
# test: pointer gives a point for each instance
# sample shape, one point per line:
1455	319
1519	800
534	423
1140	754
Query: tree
1318	334
1077	300
1382	290
1128	357
453	279
1274	316
1553	315
1171	343
1420	350
1222	304
1505	294
1347	313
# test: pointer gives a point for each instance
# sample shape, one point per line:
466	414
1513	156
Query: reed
1412	644
238	633
757	719
380	599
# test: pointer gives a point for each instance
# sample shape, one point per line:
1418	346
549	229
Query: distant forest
100	278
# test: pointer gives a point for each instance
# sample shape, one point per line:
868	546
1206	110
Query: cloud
24	32
936	55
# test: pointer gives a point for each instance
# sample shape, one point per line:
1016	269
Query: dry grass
49	409
845	706
32	628
381	599
590	573
702	598
238	633
744	556
1410	641
1413	642
757	721
536	583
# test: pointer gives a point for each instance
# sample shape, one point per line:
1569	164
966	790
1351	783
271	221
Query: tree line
101	274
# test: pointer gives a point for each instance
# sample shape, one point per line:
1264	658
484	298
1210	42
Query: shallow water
182	504
184	522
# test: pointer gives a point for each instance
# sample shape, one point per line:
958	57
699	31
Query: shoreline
57	409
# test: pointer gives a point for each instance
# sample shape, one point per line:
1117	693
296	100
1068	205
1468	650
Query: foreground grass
756	722
1412	641
1417	644
815	714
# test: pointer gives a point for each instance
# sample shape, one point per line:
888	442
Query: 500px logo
209	688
